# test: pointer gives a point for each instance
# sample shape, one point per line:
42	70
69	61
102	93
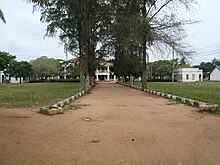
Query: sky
23	34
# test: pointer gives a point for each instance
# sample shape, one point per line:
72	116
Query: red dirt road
114	125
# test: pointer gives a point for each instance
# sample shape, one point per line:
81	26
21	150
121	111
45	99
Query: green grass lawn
35	94
205	91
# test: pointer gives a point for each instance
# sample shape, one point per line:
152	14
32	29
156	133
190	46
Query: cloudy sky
23	34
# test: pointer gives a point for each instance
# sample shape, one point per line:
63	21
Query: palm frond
38	2
2	16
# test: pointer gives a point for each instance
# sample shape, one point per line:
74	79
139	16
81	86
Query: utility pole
173	66
65	66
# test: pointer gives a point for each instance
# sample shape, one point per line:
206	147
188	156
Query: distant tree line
208	67
44	67
41	68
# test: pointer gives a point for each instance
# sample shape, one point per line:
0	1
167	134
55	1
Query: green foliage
73	70
216	61
207	67
183	63
44	67
55	80
20	69
79	25
127	65
125	35
205	91
5	60
64	80
161	69
126	27
35	94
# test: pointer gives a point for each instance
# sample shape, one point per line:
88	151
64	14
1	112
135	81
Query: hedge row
55	80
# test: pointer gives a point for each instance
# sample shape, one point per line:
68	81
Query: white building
2	76
215	74
188	75
12	79
15	79
104	74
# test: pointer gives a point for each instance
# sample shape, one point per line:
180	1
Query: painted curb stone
58	107
201	105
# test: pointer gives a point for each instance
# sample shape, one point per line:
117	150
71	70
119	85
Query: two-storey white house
188	75
104	73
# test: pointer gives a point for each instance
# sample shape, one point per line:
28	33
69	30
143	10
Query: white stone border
201	105
58	107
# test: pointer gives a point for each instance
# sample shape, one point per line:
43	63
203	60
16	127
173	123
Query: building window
187	76
193	76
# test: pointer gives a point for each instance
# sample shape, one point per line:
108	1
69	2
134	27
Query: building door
200	77
101	77
2	80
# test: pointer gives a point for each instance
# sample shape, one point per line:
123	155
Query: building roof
218	67
187	70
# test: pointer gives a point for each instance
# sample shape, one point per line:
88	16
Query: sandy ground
114	125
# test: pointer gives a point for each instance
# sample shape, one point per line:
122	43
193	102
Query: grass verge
205	91
35	94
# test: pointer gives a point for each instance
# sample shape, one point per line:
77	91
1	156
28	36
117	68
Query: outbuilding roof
218	67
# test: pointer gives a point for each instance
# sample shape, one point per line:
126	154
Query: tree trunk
82	53
82	76
82	66
91	60
144	75
144	47
131	79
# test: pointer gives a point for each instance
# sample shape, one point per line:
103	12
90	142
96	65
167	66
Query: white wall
1	74
189	74
14	80
215	75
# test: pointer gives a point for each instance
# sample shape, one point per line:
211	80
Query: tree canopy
45	67
19	69
5	60
207	67
215	61
128	28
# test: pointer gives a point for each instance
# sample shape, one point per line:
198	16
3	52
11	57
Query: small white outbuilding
12	79
188	75
215	74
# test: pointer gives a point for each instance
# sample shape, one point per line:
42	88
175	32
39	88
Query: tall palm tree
2	16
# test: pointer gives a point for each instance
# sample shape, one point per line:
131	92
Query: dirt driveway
114	125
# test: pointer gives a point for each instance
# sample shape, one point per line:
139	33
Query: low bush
55	80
